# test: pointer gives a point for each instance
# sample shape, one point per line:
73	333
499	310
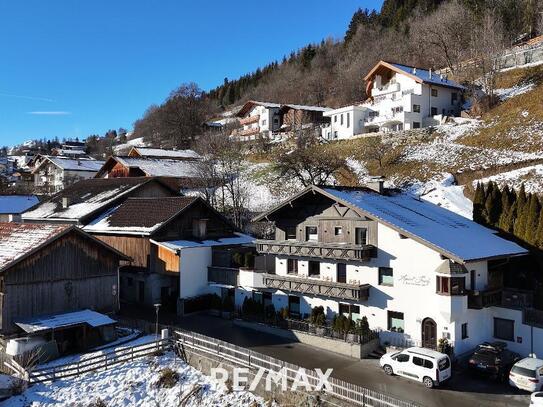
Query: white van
527	374
424	365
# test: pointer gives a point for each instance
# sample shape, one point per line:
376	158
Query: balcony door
429	333
341	273
361	235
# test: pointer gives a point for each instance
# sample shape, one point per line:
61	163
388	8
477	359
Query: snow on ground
443	192
531	177
134	384
507	93
444	151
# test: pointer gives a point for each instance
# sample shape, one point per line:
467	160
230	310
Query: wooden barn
50	270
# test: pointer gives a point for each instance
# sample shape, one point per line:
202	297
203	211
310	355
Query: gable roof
252	103
13	204
444	231
20	240
147	152
420	75
306	108
71	164
153	167
88	197
140	215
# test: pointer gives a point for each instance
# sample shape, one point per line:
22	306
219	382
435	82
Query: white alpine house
401	97
417	271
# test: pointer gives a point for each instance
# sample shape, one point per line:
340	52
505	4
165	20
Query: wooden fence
214	348
98	362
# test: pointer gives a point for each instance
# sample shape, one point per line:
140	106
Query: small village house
172	241
148	152
116	167
52	273
400	97
53	173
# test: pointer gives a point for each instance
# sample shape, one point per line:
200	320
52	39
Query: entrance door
341	273
429	333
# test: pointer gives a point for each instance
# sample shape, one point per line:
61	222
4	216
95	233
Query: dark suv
493	359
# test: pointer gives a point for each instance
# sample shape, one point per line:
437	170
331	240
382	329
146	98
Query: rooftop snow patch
74	164
428	76
156	167
51	322
161	153
12	204
240	238
17	239
451	234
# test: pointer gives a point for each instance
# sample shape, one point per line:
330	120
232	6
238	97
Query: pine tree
520	219
532	219
493	205
538	241
479	203
505	215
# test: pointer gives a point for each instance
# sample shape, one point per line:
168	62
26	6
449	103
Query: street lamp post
157	308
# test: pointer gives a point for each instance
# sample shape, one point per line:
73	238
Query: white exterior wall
265	121
337	131
193	264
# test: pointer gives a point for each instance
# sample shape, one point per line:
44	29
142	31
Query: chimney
376	184
414	71
65	202
430	73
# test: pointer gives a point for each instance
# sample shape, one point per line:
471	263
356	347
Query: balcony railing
223	275
249	119
483	299
322	288
335	251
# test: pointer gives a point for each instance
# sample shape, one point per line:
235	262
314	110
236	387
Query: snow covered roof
69	151
252	103
174	245
86	197
308	108
17	239
160	167
448	233
419	74
71	164
55	321
141	216
161	153
13	204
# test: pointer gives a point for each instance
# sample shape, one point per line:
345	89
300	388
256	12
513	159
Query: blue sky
72	68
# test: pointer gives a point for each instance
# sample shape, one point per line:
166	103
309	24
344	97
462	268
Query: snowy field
531	177
134	383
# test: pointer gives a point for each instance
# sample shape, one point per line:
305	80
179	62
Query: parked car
536	399
527	374
424	365
493	359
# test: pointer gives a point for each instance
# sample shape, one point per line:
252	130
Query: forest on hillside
425	33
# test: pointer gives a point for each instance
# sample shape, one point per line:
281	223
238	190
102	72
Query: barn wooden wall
71	273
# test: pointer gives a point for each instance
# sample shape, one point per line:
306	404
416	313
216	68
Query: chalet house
172	242
53	273
71	150
147	152
53	174
82	202
401	97
116	167
417	271
265	119
12	206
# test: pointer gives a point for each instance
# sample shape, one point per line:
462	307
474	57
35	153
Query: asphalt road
462	390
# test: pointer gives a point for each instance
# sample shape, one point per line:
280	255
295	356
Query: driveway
462	390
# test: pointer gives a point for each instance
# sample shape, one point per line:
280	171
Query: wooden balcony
249	120
311	286
223	275
484	299
334	251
